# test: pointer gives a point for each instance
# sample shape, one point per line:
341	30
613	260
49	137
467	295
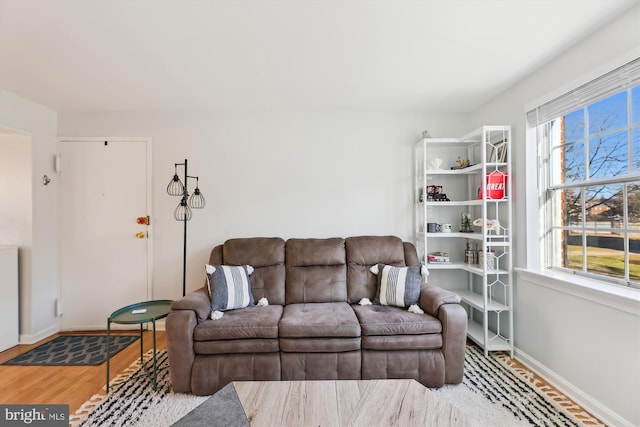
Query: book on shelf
438	258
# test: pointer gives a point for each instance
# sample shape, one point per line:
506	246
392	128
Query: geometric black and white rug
491	394
498	384
73	350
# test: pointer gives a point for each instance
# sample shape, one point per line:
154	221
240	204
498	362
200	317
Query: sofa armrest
445	305
179	329
198	301
185	315
410	254
454	340
434	297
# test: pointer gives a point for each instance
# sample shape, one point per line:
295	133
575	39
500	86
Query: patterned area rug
73	350
529	399
492	393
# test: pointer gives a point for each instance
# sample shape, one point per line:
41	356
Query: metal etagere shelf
470	177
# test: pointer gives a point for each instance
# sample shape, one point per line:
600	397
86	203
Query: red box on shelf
496	185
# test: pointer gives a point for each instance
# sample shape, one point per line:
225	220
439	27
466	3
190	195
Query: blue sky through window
574	126
609	114
574	161
635	105
635	136
608	155
608	138
608	142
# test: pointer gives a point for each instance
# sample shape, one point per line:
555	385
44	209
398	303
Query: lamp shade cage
197	201
175	187
183	211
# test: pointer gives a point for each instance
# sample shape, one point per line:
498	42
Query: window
589	150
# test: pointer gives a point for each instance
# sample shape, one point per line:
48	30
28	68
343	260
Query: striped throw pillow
398	286
229	286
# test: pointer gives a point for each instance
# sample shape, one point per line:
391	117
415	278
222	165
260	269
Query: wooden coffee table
329	403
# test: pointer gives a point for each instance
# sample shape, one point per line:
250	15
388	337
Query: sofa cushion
229	286
398	286
332	319
388	320
265	255
316	270
362	253
249	322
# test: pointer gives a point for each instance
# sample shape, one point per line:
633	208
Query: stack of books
438	258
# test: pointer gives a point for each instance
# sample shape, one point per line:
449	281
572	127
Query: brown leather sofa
313	327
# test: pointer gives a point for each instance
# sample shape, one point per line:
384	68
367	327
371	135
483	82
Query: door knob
141	234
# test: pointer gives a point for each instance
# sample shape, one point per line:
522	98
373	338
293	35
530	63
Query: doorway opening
16	225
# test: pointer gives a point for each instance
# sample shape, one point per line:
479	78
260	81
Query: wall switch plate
59	307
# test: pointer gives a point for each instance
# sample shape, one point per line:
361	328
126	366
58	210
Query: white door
104	252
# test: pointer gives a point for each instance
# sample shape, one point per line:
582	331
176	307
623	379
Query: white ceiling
256	55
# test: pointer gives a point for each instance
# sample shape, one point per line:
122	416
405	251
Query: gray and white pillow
397	286
229	286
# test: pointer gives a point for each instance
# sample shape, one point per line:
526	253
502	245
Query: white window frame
535	190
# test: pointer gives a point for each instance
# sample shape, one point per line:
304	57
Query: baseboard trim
34	338
160	326
596	408
27	339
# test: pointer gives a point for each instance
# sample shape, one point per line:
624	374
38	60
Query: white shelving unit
481	189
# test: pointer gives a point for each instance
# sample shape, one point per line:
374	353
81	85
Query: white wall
38	288
16	218
592	346
294	174
15	189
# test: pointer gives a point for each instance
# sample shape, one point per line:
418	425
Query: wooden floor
72	385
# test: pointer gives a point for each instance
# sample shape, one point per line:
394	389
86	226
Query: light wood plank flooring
72	385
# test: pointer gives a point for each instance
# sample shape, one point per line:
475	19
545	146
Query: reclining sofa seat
313	327
319	332
395	342
205	354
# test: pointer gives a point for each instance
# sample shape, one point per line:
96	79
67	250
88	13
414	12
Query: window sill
618	297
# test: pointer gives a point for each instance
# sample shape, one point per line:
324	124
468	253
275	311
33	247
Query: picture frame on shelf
434	189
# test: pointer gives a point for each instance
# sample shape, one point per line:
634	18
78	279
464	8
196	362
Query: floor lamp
183	210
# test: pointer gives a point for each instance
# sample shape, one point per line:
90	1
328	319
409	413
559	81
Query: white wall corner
40	335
